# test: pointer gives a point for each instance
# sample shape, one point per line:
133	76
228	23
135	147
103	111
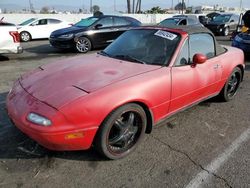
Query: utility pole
182	9
114	5
240	5
32	10
90	4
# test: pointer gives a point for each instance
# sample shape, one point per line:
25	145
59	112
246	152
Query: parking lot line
204	176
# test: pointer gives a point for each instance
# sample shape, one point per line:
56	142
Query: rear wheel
121	132
230	88
25	36
83	45
226	31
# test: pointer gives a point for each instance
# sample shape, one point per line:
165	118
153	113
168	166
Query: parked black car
223	24
92	32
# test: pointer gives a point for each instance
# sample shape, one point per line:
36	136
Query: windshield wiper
129	58
104	53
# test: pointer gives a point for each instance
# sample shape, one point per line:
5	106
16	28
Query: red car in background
111	99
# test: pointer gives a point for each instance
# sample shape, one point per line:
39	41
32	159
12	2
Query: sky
121	4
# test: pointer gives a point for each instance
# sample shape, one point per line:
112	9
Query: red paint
77	94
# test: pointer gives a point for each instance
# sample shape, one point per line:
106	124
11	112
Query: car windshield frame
145	46
86	22
223	18
26	22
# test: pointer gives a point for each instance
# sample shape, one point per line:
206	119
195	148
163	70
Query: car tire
121	131
231	86
83	45
25	36
226	31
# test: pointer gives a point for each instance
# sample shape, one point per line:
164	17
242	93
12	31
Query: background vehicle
181	20
9	40
223	24
212	15
93	32
3	23
111	99
242	39
39	28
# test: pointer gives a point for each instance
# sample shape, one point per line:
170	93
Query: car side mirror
232	21
199	59
98	26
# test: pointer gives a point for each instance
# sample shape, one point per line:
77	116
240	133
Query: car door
39	29
192	83
120	26
103	32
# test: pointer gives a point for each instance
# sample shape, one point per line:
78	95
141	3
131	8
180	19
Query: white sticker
165	34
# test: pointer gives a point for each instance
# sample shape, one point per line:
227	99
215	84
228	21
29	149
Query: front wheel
226	31
83	45
230	88
121	131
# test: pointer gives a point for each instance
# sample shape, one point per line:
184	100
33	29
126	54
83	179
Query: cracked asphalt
172	156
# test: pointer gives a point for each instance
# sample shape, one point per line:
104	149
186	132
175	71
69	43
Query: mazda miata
110	99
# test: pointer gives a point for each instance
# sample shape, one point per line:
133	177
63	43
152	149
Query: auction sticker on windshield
165	34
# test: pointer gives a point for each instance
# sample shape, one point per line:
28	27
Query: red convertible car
112	98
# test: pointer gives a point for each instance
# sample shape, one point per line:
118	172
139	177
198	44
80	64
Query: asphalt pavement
207	145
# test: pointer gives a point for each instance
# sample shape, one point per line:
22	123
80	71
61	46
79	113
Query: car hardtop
185	30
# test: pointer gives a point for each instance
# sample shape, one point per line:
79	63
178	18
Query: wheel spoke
119	124
131	119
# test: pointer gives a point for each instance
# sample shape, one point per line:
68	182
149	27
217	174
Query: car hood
62	82
68	30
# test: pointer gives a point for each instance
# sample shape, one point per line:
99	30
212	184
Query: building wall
73	18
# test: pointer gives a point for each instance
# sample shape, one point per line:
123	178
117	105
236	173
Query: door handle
216	66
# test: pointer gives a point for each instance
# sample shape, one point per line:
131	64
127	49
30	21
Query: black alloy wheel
230	88
121	131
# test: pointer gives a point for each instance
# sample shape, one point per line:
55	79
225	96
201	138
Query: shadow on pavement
47	49
4	58
15	145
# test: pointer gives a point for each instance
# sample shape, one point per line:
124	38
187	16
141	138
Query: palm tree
129	7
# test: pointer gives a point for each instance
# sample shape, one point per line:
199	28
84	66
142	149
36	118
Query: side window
106	22
54	21
42	22
202	43
120	22
183	57
183	22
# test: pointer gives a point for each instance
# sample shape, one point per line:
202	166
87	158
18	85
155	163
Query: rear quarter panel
232	58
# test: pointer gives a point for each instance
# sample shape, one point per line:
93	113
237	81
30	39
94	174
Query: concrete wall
18	18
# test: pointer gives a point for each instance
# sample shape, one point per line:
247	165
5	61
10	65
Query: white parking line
203	177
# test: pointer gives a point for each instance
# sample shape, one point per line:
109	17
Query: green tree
155	10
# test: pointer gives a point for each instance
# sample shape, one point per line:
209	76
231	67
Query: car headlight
66	36
238	39
38	119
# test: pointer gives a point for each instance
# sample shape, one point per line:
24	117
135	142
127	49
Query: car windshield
170	22
222	18
86	22
147	46
27	21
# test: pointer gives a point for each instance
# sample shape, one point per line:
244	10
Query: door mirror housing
231	21
98	26
199	59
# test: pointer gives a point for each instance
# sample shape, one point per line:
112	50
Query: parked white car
9	40
40	28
